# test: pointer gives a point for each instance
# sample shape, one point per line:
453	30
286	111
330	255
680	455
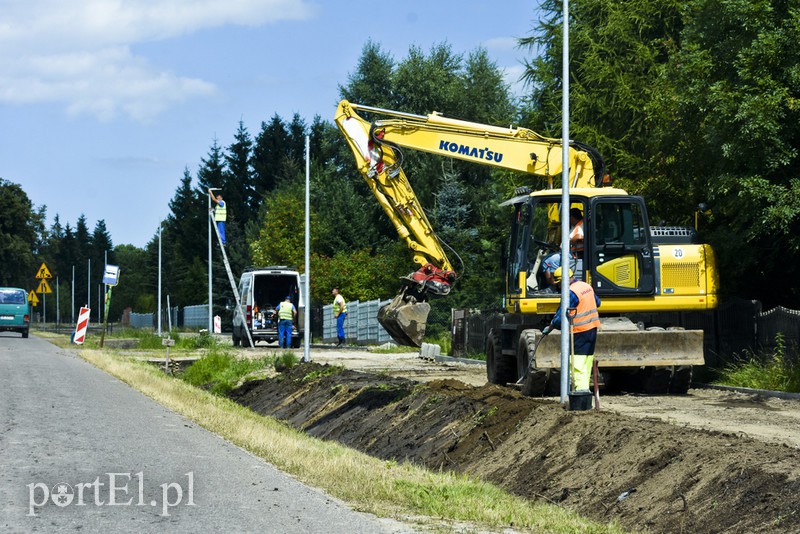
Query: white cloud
78	52
501	44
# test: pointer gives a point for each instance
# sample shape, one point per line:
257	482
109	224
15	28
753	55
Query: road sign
32	298
83	324
43	273
44	287
167	342
111	275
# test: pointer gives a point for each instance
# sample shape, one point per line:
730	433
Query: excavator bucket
405	319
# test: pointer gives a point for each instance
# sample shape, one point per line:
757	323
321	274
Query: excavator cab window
535	246
621	253
517	258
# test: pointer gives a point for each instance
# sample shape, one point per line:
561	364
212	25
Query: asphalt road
82	451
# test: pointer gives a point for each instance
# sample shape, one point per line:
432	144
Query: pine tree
268	155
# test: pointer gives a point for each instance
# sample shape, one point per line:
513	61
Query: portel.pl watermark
112	489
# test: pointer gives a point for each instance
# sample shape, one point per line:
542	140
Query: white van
261	289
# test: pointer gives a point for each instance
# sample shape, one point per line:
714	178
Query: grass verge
383	488
769	371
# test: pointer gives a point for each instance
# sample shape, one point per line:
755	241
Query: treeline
26	243
687	104
690	101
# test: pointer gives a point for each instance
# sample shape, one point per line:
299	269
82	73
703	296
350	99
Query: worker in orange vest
584	327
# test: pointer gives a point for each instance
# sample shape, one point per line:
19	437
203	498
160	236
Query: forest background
689	102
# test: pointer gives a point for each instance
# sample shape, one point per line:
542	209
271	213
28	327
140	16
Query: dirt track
709	461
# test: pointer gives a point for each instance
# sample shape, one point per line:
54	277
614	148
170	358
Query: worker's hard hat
288	297
557	275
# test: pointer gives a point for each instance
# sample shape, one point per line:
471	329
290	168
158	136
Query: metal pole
210	311
89	284
159	281
72	299
210	323
100	288
565	207
58	308
306	291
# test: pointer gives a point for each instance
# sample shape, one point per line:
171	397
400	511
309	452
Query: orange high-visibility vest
587	316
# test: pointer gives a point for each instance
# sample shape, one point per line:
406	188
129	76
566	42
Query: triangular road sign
43	273
32	298
44	287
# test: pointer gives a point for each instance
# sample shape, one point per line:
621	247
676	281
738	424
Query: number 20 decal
677	252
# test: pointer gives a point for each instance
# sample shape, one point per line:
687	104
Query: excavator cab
616	256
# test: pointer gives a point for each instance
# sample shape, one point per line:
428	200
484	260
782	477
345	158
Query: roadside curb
761	392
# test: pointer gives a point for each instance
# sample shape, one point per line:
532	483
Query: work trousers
221	230
285	333
583	359
340	326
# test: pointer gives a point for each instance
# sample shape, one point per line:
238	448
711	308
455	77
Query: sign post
110	279
167	342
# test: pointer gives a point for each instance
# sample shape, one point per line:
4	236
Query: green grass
404	491
149	340
325	371
774	372
219	372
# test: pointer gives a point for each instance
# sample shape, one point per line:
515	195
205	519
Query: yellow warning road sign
32	298
44	287
43	273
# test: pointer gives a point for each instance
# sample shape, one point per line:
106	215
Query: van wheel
296	341
24	333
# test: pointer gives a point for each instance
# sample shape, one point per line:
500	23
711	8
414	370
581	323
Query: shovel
595	374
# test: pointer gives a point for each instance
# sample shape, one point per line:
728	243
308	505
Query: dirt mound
647	474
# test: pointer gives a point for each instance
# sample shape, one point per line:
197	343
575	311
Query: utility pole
565	363
159	279
210	292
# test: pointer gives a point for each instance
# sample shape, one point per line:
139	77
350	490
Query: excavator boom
377	150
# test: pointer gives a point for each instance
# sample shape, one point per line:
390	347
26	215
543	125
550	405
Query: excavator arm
377	147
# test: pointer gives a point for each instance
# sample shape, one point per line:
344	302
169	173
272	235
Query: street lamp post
159	279
565	356
210	293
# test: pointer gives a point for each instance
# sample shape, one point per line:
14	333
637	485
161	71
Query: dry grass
386	489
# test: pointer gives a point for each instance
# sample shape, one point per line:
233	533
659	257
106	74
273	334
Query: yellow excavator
633	267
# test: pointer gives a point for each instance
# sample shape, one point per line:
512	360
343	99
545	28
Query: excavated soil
648	474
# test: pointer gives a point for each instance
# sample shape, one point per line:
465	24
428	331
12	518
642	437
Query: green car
15	313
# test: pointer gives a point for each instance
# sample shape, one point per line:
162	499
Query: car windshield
12	296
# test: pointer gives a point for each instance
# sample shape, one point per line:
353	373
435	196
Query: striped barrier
83	324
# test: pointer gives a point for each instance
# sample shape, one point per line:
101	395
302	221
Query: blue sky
103	103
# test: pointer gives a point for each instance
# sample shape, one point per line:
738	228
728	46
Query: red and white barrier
83	324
